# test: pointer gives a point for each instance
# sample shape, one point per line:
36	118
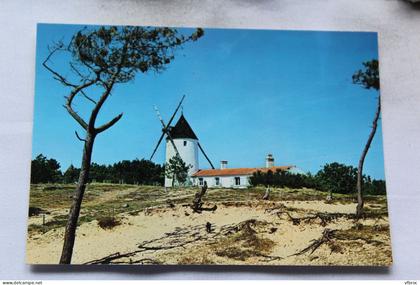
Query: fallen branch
295	221
202	209
326	237
179	238
172	240
324	218
111	257
144	261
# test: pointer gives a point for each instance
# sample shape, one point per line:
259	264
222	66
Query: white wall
224	182
229	181
188	153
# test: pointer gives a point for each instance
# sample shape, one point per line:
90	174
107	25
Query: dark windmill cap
182	130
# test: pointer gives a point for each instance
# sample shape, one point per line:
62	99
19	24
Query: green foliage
117	53
337	178
333	177
71	175
369	76
44	170
374	187
135	171
340	178
283	179
177	170
100	173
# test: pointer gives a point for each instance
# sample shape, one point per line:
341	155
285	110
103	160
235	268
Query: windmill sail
157	145
205	155
165	128
181	130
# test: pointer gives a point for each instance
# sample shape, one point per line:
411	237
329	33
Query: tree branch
109	124
56	75
68	106
87	97
104	96
80	139
76	88
77	72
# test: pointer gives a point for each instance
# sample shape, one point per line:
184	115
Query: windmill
180	141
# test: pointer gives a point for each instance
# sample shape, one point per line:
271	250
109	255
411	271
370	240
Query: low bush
108	222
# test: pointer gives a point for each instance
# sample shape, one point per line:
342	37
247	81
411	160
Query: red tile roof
238	171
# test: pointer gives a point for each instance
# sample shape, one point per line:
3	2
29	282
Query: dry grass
246	243
367	233
55	223
102	198
276	194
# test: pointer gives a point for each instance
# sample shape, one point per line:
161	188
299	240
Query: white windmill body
180	140
186	142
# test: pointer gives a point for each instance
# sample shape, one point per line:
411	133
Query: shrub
108	222
283	179
337	178
333	177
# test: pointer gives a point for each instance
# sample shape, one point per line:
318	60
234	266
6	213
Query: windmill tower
180	140
186	143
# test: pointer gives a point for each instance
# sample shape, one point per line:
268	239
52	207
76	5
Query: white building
186	143
233	177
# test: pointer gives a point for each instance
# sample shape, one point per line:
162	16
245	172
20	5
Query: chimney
269	160
223	164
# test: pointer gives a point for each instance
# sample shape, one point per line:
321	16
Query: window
217	181
200	181
185	143
237	180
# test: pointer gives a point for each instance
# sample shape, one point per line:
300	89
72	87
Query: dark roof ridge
182	130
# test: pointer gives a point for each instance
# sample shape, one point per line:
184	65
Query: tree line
332	178
145	172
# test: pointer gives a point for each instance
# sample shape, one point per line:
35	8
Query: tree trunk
70	233
197	204
267	193
173	181
359	208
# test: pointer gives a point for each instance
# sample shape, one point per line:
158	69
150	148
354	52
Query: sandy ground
181	237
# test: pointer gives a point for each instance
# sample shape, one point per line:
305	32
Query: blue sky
248	93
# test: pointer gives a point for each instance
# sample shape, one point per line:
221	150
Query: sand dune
276	236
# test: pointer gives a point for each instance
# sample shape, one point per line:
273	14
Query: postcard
163	145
